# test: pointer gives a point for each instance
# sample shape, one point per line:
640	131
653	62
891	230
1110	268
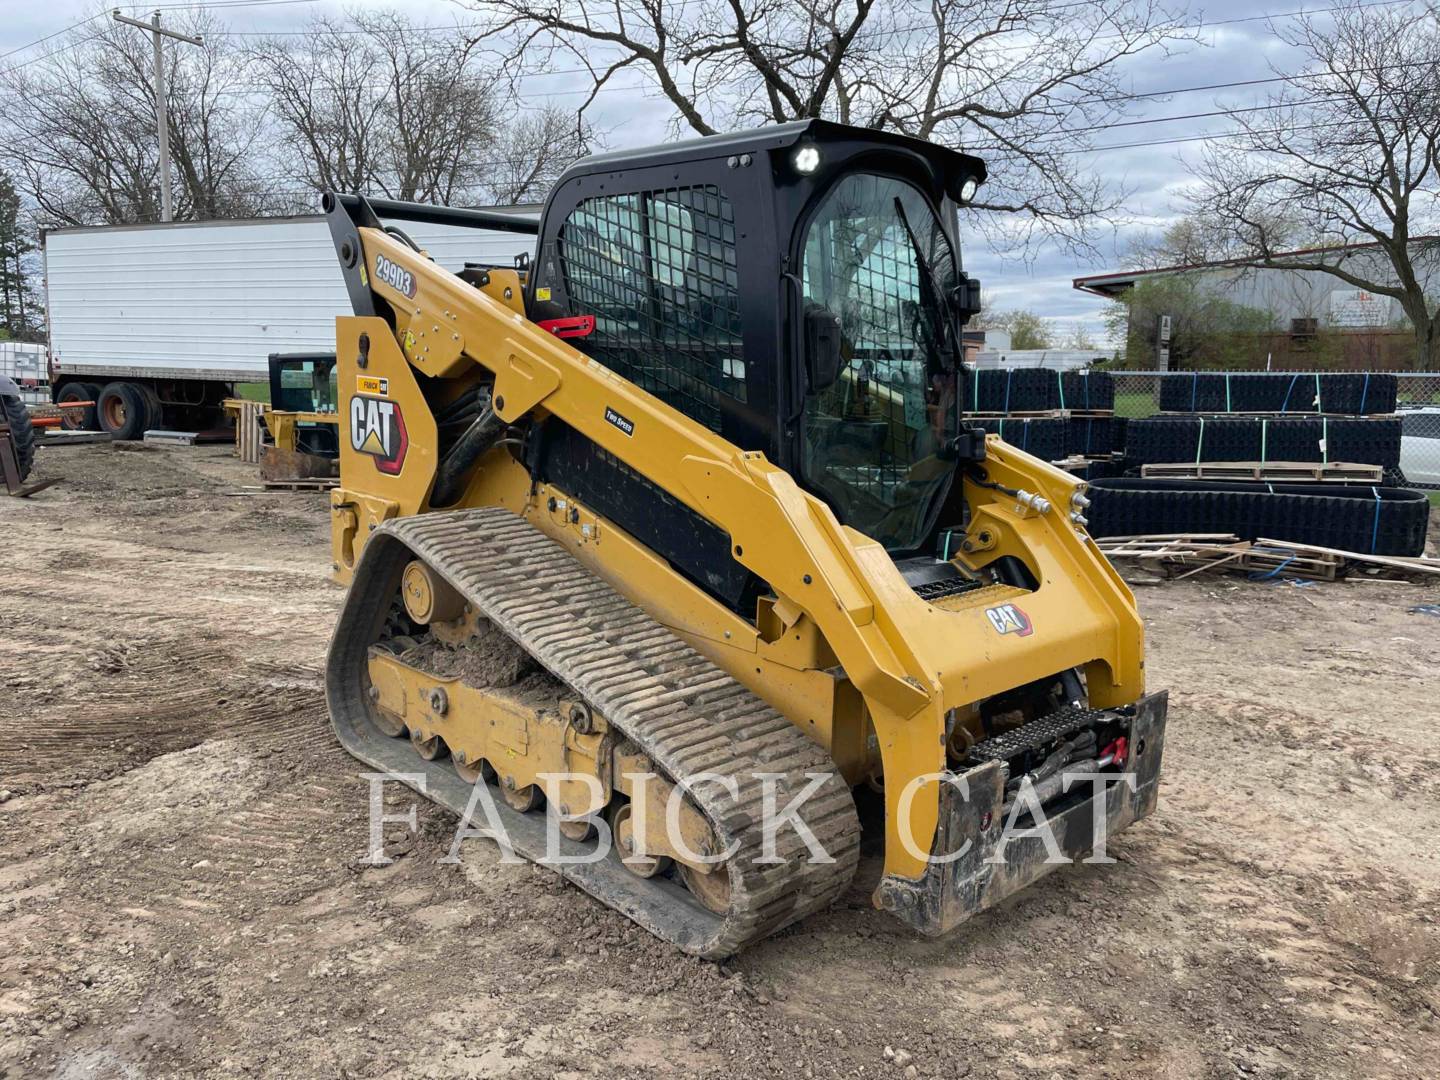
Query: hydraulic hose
479	437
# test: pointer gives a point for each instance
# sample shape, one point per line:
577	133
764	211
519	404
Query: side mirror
965	297
823	353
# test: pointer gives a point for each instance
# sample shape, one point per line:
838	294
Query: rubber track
686	713
1352	392
1012	390
1359	440
1351	517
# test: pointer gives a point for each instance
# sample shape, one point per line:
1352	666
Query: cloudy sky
1235	43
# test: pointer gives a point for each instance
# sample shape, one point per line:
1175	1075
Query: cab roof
949	165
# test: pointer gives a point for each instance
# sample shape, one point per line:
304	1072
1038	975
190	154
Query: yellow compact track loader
674	542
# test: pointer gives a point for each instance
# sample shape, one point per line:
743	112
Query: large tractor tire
79	419
124	410
18	417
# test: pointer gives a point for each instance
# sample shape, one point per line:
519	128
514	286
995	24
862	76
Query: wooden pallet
1292	414
1196	553
249	430
72	438
1193	553
1043	414
56	411
1403	564
1079	461
1290	560
1286	471
315	483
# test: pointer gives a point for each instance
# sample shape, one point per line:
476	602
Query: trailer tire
79	419
23	433
155	412
123	410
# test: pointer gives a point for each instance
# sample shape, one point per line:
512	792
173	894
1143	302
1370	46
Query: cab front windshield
876	257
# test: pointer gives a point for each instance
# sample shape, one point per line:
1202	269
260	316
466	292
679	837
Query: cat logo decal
377	428
1009	619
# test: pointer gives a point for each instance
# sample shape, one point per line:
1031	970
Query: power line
1206	137
644	86
262	88
69	46
215	5
47	37
1196	116
220	4
1258	82
893	31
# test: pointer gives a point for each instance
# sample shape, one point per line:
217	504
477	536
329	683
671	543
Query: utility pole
162	119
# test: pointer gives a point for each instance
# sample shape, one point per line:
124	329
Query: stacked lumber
1285	471
1192	553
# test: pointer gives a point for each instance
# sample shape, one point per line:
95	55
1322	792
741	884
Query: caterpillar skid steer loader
672	539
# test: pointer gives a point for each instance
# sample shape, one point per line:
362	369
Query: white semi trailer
157	323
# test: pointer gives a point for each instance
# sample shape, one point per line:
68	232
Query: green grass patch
253	391
1135	404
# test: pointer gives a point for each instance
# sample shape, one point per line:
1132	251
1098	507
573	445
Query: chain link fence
1137	394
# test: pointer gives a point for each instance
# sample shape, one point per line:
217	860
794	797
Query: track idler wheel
428	597
712	889
431	749
474	771
523	799
386	723
623	835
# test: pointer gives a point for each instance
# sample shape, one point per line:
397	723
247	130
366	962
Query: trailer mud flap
980	858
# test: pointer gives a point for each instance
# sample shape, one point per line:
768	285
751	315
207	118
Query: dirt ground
181	893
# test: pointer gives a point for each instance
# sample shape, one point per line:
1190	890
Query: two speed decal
624	424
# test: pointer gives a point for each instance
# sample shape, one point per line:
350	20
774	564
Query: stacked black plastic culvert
1042	436
1061	416
1008	391
1363	440
1354	393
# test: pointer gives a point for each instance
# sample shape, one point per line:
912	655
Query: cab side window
658	271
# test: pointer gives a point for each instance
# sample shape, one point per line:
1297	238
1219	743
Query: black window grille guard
658	271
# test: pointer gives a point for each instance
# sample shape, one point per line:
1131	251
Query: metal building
1302	301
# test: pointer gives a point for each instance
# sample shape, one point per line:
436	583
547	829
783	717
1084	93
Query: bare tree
1192	240
532	152
328	104
1020	82
371	103
81	127
1350	151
